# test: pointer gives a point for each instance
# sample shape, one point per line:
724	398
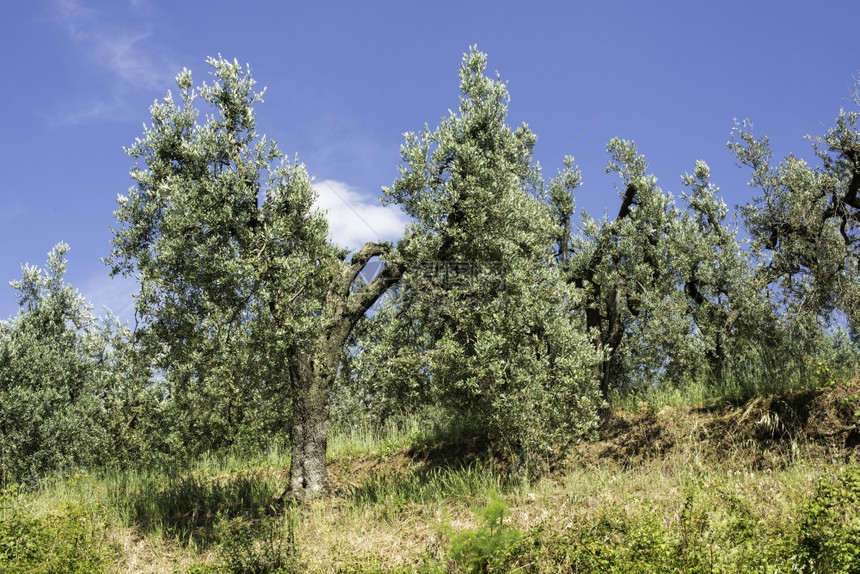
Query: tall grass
364	437
426	426
186	504
431	486
222	514
766	371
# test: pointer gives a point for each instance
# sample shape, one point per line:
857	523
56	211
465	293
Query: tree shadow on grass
188	508
463	468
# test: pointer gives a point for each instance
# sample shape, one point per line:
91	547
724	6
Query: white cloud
122	51
114	293
355	219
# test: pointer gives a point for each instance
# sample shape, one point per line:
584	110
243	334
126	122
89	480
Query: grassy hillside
767	485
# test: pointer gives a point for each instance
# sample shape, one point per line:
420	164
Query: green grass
61	530
435	486
770	374
363	438
187	504
394	511
429	426
796	364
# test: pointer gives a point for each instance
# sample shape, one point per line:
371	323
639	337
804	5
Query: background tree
232	256
53	415
483	321
670	295
735	322
625	268
562	201
804	225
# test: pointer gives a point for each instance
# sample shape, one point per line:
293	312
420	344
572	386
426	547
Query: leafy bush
829	534
716	529
71	539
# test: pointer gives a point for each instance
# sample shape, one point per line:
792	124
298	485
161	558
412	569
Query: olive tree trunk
310	429
313	370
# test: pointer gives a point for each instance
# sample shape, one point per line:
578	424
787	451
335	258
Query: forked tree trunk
608	332
606	322
313	369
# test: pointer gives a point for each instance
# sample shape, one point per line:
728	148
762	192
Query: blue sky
345	79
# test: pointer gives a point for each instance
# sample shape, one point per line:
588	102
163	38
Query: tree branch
345	307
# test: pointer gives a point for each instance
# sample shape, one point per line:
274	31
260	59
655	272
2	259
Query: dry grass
337	535
396	501
766	432
153	554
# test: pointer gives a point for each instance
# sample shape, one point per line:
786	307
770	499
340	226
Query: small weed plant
474	549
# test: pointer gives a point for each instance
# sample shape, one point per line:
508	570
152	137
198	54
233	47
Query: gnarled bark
310	429
314	367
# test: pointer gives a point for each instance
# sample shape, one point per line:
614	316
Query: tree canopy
498	304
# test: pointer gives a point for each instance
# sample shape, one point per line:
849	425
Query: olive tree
669	295
805	224
626	270
221	231
52	412
482	325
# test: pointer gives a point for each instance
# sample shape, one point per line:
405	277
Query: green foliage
675	299
474	549
804	224
56	382
70	539
497	316
645	519
480	322
828	539
75	390
221	231
50	413
851	399
245	305
715	528
668	292
427	486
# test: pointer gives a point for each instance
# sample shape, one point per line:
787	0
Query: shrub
70	539
475	548
829	535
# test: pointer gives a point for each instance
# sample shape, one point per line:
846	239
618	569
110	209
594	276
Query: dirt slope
818	426
765	432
